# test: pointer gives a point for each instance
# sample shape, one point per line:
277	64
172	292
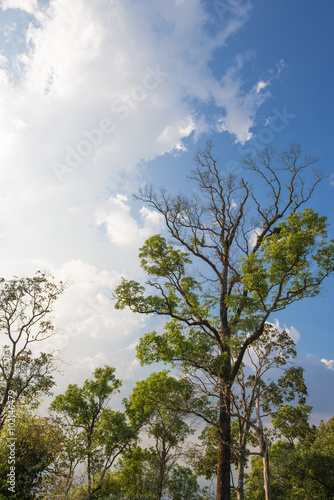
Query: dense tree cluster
232	408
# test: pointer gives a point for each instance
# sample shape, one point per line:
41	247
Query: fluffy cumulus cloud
30	6
90	91
89	331
138	64
291	331
329	363
121	228
240	107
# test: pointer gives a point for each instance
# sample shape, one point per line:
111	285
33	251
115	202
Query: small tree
97	434
25	307
135	478
155	406
182	484
255	256
260	394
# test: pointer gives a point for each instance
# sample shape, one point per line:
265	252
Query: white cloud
240	106
122	229
291	331
93	362
252	237
175	132
54	108
60	85
274	74
132	346
29	6
328	363
86	307
261	85
90	331
95	89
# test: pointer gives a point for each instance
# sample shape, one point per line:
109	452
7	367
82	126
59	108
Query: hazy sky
99	96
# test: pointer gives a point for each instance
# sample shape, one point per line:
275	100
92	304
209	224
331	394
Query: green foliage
32	376
158	399
96	434
324	439
181	294
21	298
84	405
25	307
204	458
287	258
187	346
136	477
35	443
304	470
182	484
159	405
159	259
291	264
292	422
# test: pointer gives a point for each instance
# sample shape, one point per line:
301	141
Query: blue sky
97	97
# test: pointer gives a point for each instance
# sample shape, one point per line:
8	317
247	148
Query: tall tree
254	257
100	434
258	392
25	307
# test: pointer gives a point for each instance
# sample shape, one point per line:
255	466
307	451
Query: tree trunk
162	471
89	479
265	462
224	450
161	482
264	452
89	463
241	477
242	460
266	472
